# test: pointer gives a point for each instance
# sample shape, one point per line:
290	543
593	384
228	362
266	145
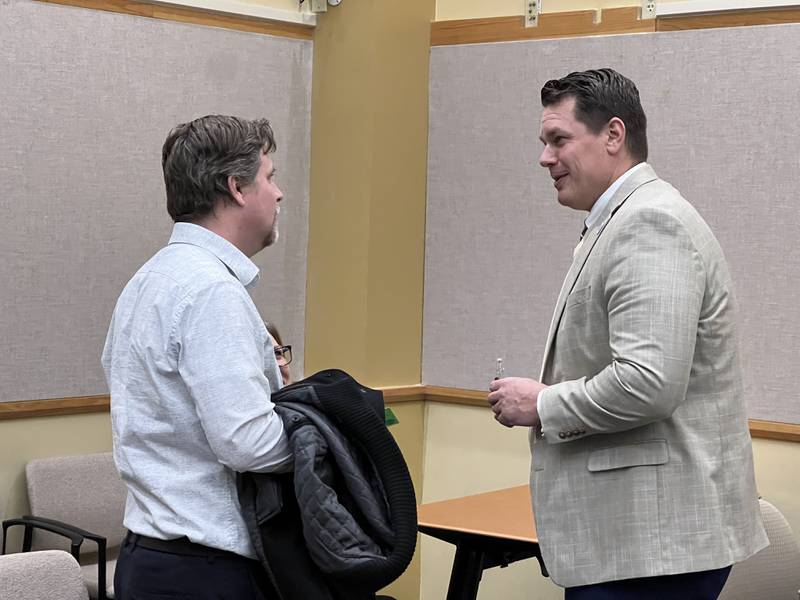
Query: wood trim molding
788	432
448	395
596	22
551	25
196	16
54	406
735	18
403	393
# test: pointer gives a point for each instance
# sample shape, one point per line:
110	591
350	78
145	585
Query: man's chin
271	238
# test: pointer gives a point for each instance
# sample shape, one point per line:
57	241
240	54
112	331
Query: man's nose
547	158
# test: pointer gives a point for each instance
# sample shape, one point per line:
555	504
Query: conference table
488	530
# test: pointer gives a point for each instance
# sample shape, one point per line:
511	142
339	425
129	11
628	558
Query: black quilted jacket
343	524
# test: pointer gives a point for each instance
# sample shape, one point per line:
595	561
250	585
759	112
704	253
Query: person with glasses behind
283	354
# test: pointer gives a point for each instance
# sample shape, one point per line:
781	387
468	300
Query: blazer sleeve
653	282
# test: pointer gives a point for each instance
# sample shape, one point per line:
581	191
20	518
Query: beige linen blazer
643	463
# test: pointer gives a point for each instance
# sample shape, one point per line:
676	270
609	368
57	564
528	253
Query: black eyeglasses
283	355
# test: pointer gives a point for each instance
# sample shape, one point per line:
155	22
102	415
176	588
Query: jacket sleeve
653	286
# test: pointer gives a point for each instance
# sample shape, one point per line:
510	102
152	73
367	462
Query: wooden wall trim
736	18
788	432
448	395
599	22
551	25
54	406
196	16
403	393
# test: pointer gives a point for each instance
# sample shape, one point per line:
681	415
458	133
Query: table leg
467	572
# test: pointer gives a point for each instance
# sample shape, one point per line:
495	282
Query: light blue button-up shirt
190	367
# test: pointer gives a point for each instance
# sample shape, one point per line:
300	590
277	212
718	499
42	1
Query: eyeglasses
283	355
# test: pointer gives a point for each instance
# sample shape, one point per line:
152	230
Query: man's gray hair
199	156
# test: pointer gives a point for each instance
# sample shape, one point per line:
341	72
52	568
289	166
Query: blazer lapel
644	175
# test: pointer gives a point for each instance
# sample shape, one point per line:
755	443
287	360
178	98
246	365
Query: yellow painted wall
290	5
369	133
447	10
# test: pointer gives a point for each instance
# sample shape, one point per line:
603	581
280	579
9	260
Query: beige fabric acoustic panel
723	128
87	99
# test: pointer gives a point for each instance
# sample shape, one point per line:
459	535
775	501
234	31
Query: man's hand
513	401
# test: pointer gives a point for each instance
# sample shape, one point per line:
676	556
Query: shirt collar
234	259
602	201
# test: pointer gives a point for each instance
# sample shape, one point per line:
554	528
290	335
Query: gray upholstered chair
82	499
46	575
773	573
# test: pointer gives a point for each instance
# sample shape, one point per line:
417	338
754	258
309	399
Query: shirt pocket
652	452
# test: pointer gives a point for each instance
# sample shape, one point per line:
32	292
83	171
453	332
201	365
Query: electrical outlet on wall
648	9
532	8
319	6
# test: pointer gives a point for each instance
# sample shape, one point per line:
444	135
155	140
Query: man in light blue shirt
190	367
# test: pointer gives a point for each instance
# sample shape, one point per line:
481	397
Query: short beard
272	236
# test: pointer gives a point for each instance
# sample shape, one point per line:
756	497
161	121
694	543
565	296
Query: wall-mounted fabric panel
88	98
723	129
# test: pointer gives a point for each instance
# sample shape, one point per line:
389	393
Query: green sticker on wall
388	417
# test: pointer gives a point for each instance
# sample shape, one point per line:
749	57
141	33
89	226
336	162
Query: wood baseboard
788	432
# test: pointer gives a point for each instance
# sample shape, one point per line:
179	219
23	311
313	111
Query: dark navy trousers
145	574
704	585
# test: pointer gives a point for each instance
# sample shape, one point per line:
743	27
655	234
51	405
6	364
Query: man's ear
616	136
235	190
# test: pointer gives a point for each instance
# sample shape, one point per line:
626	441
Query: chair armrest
76	536
43	522
30	523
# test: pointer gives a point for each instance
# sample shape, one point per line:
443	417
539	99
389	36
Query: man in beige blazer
642	471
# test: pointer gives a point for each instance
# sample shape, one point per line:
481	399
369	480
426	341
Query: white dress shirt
602	201
190	368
